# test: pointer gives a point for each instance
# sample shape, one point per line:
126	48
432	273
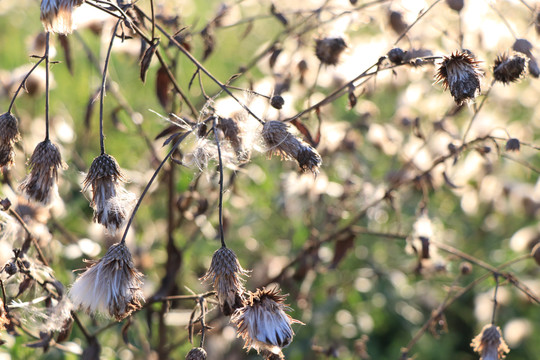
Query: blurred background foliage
359	297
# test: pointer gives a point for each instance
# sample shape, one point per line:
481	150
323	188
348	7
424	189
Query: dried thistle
9	135
280	141
490	344
40	184
111	285
459	72
56	15
110	201
507	69
262	323
328	50
196	354
226	275
234	133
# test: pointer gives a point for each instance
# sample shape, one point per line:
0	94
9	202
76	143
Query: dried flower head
459	72
40	184
196	354
111	285
490	344
456	5
56	15
233	132
507	69
328	50
262	322
396	55
111	202
280	141
9	135
226	275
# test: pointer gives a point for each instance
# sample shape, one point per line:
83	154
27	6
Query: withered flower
111	285
507	69
459	72
233	132
280	141
56	15
490	344
262	323
9	135
111	202
40	184
196	354
328	50
226	275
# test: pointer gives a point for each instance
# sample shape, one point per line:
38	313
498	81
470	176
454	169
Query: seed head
40	185
196	354
456	5
459	72
111	285
280	141
227	277
328	50
110	201
56	15
262	323
234	133
507	69
9	135
277	101
396	56
490	344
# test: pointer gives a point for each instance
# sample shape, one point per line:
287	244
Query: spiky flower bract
110	201
40	185
460	74
280	141
263	323
9	135
56	15
507	69
226	275
490	344
111	285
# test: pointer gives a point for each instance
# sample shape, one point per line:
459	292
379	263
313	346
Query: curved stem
221	235
24	82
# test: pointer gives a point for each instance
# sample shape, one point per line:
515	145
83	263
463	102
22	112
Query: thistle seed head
40	185
196	354
111	285
459	72
56	15
9	135
507	69
227	277
490	344
262	323
328	50
280	141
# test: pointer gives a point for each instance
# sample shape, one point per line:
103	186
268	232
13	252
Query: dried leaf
209	41
90	110
449	182
279	16
64	42
44	342
64	333
147	59
304	131
273	57
163	86
341	249
248	29
352	97
24	285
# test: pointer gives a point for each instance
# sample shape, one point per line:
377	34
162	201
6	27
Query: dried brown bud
397	23
534	71
459	72
233	130
507	69
196	354
490	343
512	144
456	5
328	50
40	184
396	56
523	46
277	102
9	135
465	268
280	141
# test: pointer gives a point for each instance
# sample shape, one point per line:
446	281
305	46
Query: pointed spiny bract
507	69
459	72
490	344
110	201
262	323
196	354
9	135
56	15
40	185
111	285
226	275
328	50
280	141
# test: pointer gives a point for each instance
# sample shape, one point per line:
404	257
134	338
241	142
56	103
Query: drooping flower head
9	135
226	275
262	323
507	69
40	185
111	285
459	72
280	141
196	354
110	201
328	50
490	344
56	15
